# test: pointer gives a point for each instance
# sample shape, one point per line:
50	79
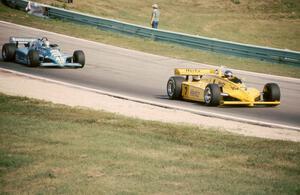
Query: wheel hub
4	54
171	88
207	96
28	60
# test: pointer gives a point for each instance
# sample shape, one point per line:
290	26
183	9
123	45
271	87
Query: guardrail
199	42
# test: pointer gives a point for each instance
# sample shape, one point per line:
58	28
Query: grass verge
48	148
273	23
146	45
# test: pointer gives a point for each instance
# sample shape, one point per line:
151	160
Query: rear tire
9	52
79	57
271	92
174	87
33	58
212	95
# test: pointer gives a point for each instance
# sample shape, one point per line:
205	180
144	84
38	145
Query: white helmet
46	43
228	74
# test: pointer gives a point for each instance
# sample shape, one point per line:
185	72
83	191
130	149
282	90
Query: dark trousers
154	24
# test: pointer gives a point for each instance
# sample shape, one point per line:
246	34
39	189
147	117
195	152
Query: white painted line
97	43
129	98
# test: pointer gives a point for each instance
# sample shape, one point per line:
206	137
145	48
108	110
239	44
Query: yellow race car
218	87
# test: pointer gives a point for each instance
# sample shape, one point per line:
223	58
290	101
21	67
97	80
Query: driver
229	75
43	42
46	43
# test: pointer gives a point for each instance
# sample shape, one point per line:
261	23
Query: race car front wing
249	103
47	64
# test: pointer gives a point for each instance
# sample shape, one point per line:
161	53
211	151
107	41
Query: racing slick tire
33	58
271	92
212	95
79	57
9	52
174	87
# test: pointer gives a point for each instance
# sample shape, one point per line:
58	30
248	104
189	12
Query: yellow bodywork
238	93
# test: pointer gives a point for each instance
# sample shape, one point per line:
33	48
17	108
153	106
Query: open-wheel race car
216	87
35	52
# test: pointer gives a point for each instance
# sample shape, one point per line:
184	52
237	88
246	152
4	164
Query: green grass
273	23
48	148
147	45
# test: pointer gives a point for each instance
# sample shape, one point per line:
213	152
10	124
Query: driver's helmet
46	43
228	74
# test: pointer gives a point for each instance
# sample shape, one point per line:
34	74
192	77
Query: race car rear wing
193	71
21	40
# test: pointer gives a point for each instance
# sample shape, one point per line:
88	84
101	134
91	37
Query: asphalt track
144	76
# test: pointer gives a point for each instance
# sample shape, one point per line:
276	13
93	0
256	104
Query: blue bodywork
48	56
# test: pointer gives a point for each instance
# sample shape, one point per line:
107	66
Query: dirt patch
13	84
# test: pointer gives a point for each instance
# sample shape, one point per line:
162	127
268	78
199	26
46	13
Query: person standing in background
155	16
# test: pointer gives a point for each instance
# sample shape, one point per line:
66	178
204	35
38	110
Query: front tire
79	57
271	92
9	52
33	58
174	87
212	95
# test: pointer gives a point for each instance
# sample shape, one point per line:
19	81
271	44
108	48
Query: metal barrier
199	42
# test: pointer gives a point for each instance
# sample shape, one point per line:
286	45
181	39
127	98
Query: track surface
144	76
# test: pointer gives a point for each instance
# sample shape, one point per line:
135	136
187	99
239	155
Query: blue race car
39	52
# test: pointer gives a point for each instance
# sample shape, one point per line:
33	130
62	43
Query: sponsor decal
194	92
193	71
14	39
185	90
234	88
57	56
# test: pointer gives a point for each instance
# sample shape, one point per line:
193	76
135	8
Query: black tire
79	57
33	58
212	95
9	52
174	87
271	92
